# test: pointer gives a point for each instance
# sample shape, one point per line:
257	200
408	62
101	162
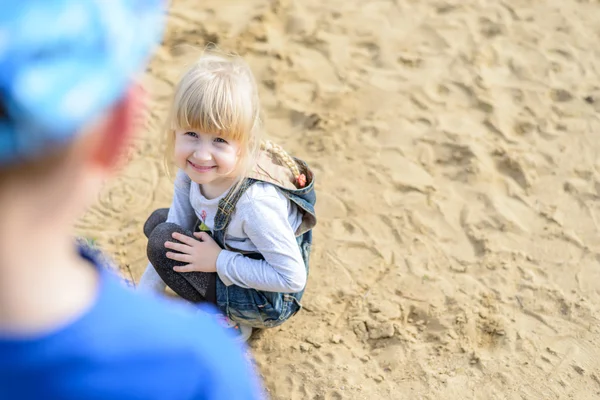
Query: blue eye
220	140
191	134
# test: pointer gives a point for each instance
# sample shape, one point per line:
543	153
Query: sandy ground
457	152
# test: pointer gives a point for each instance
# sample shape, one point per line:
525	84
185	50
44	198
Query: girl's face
206	158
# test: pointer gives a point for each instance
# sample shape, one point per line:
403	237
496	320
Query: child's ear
117	129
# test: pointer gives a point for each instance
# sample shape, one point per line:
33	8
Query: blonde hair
217	94
284	157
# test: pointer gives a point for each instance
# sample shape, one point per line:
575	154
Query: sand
456	149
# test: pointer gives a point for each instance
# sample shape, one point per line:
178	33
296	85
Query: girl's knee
157	217
156	249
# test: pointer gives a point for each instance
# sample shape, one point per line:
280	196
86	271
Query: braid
284	157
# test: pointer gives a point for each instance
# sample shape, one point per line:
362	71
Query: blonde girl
239	229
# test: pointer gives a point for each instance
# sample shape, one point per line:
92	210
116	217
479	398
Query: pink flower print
203	215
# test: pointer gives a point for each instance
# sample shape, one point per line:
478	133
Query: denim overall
257	308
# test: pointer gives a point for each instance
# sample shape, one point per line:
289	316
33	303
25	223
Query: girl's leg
157	217
193	286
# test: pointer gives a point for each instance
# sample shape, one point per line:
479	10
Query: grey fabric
193	286
157	217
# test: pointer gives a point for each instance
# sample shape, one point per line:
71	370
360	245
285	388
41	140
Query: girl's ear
117	128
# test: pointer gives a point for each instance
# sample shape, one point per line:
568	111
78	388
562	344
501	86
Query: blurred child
239	230
68	328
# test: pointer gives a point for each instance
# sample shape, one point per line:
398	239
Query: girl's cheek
183	147
226	150
181	152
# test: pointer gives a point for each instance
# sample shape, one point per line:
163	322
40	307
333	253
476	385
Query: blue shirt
128	346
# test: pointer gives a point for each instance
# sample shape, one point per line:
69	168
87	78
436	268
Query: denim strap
226	208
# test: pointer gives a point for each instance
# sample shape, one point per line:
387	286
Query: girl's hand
201	255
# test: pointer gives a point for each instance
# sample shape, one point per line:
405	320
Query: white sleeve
265	222
180	213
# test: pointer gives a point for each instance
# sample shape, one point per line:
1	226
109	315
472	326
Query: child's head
67	98
214	125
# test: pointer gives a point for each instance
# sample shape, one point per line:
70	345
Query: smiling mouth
201	168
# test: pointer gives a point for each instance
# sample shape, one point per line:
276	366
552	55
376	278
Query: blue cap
63	62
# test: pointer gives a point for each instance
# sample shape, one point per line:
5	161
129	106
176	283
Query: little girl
239	230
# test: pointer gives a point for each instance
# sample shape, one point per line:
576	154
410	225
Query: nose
202	152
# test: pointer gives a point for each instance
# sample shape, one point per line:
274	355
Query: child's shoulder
142	344
152	327
260	191
182	180
262	196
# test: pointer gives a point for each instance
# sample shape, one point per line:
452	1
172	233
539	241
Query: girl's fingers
184	268
182	248
183	238
179	257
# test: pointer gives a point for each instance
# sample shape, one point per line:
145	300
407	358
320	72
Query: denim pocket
271	307
293	305
256	308
278	308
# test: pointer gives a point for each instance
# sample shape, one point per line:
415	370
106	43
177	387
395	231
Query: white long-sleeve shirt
264	221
